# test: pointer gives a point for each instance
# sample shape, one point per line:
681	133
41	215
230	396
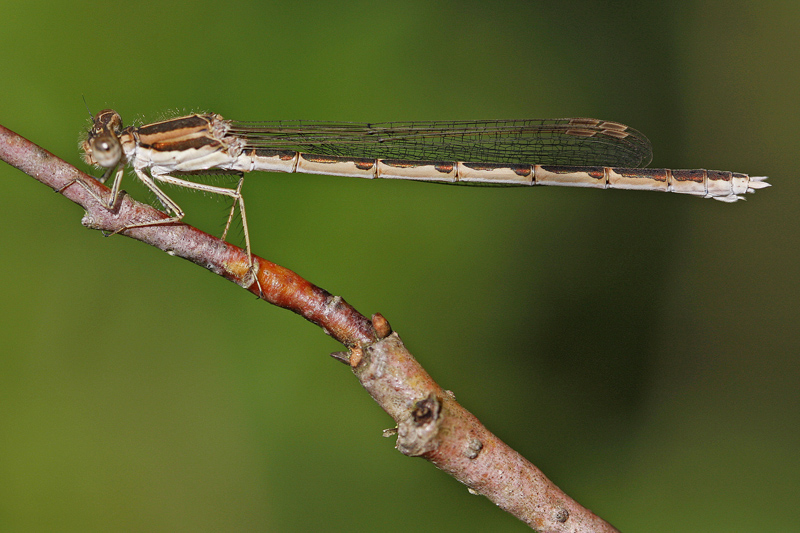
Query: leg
110	205
233	209
178	213
169	204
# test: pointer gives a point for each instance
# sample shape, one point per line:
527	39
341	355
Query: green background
641	348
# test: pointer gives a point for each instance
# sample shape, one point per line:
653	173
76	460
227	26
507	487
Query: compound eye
106	151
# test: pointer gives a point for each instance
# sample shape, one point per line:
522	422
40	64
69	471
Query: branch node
417	434
356	355
474	448
381	325
561	515
426	411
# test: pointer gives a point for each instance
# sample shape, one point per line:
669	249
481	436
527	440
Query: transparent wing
567	141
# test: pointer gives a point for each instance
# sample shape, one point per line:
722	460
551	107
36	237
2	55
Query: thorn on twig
350	358
343	357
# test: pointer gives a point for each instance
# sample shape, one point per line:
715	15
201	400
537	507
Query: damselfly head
102	146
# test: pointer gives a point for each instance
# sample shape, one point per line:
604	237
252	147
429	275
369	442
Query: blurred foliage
640	348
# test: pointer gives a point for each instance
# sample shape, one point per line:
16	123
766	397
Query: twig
430	423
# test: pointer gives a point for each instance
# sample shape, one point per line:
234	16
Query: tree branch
430	423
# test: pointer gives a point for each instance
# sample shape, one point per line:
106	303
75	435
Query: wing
568	141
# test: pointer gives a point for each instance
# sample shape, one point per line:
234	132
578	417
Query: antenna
87	106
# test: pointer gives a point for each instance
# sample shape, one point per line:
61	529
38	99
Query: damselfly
576	152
